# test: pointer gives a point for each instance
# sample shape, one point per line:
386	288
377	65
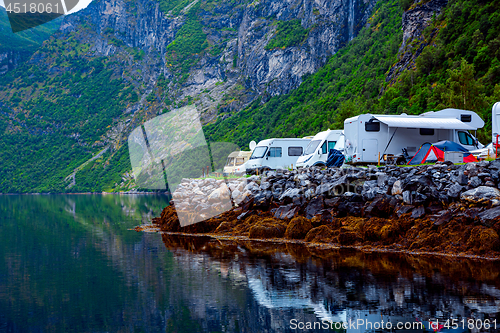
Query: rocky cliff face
235	67
415	20
8	60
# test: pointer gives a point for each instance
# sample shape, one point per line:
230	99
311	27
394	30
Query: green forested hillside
59	120
459	68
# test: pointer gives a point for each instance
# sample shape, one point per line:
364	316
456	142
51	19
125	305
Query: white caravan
495	123
369	137
272	154
235	159
317	151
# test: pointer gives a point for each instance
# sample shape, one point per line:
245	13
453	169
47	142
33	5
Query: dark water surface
70	264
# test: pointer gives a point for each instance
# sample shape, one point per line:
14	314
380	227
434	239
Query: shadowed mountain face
71	264
16	48
116	64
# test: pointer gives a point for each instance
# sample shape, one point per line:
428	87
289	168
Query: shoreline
440	209
88	193
322	246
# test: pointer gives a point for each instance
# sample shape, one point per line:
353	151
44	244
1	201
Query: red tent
430	153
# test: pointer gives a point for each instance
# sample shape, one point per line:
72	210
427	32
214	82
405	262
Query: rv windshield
311	147
258	152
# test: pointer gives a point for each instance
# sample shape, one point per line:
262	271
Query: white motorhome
495	123
369	137
272	154
317	151
235	159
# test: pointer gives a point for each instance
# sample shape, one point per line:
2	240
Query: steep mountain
65	114
436	54
15	48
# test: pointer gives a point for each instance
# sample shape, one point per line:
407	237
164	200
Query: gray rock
381	178
290	194
489	216
455	190
481	194
396	188
314	207
407	197
418	212
475	181
285	212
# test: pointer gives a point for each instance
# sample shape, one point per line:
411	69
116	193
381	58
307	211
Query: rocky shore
441	208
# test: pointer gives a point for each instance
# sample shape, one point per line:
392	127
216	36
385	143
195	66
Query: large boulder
489	216
321	234
267	228
298	228
314	207
481	194
380	207
289	195
285	211
455	190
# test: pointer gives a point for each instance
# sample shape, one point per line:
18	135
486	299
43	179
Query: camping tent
433	152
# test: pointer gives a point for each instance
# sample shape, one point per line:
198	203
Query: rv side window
427	131
372	126
466	118
331	145
323	148
240	161
295	151
465	138
274	152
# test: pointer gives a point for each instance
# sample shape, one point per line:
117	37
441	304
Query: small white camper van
235	159
317	151
369	137
272	154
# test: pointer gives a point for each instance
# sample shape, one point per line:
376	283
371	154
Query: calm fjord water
71	264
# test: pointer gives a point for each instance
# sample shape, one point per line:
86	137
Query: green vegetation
57	123
176	6
288	33
190	41
458	68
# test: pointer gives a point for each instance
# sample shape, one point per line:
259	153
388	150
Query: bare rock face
240	69
415	20
9	60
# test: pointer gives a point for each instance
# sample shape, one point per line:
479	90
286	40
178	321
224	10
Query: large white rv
495	123
369	137
317	151
272	154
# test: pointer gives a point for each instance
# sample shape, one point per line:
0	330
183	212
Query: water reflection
347	285
71	264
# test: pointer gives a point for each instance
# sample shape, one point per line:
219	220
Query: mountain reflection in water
69	263
346	285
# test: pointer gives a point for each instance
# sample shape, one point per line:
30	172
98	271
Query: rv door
370	150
